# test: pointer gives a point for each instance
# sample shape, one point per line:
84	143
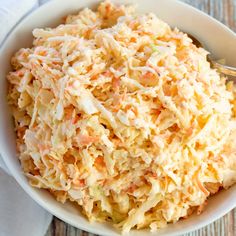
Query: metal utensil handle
227	70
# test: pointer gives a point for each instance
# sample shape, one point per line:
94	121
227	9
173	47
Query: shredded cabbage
124	116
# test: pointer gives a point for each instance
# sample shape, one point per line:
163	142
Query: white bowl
216	37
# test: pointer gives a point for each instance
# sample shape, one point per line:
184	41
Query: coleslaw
124	116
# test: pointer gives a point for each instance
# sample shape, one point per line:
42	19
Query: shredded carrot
115	83
40	52
108	8
21	132
189	131
107	73
148	79
68	112
166	183
86	139
69	158
131	188
201	208
43	147
133	40
213	187
82	182
201	186
88	32
100	161
79	182
117	101
20	72
132	24
132	108
151	173
156	111
148	75
75	119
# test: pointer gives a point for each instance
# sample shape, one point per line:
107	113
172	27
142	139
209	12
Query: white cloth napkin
19	214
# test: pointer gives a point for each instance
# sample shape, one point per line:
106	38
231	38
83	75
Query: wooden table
224	11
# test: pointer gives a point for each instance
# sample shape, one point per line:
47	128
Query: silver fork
226	70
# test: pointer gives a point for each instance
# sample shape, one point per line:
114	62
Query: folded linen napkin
19	214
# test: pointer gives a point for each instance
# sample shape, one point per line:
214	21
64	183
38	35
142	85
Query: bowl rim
39	199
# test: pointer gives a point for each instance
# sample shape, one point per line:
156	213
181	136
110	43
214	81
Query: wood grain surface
224	11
